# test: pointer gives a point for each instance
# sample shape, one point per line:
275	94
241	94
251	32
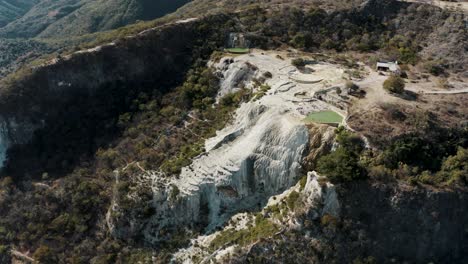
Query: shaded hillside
60	25
76	17
140	101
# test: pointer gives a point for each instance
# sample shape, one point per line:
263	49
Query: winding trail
460	91
462	6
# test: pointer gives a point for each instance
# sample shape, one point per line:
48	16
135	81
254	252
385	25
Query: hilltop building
389	67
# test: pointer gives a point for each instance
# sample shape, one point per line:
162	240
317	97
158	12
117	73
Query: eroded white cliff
257	156
316	197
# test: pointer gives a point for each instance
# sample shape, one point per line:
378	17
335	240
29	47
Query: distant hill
13	9
196	7
58	18
31	28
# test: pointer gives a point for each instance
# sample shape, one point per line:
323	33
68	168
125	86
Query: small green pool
324	117
238	50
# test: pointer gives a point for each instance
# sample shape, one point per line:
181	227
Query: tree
394	84
299	41
455	168
342	165
44	255
350	86
298	63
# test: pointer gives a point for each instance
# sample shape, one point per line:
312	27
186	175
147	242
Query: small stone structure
237	40
389	67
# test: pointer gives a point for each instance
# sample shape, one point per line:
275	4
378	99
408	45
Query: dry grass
385	121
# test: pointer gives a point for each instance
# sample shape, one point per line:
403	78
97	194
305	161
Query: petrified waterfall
255	158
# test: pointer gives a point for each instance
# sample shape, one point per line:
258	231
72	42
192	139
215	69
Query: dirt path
20	257
373	85
462	6
462	91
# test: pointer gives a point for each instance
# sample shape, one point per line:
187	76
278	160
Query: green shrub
174	192
299	41
292	199
455	168
262	90
394	84
262	228
434	67
303	182
298	63
351	86
342	165
44	255
329	221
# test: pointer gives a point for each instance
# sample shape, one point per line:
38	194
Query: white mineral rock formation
318	196
235	75
321	196
257	156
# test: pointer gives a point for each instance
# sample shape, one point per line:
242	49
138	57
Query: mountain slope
60	24
76	17
131	157
12	9
209	6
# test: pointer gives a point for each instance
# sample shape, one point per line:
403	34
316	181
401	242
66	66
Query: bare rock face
323	196
44	92
320	143
257	157
235	76
317	197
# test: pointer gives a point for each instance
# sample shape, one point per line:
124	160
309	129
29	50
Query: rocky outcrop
317	197
321	142
371	222
260	154
235	76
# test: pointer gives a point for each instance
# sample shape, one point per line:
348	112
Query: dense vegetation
343	163
12	9
14	52
435	156
394	84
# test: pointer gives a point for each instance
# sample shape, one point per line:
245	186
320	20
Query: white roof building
388	66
